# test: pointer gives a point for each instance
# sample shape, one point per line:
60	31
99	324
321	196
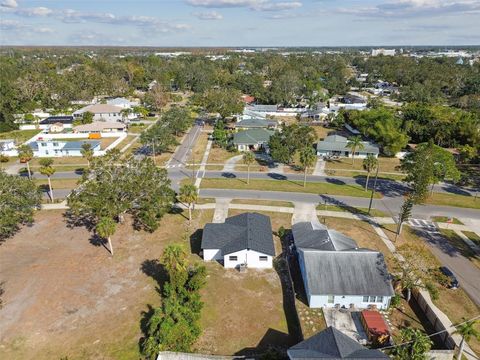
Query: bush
395	301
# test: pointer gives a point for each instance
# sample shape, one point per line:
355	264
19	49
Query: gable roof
251	231
350	272
308	235
255	123
252	136
100	126
332	344
100	109
339	143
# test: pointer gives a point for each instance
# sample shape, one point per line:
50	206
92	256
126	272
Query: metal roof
332	344
307	235
252	136
255	123
339	143
251	231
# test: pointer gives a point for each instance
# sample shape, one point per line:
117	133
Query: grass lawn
288	186
312	321
453	200
462	247
360	174
137	128
219	156
444	219
58	183
322	132
472	236
20	136
386	164
456	304
61	161
199	148
262	202
125	141
353	210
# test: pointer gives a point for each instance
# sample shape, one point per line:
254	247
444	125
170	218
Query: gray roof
251	231
256	123
332	344
349	272
307	235
69	145
265	108
252	137
339	143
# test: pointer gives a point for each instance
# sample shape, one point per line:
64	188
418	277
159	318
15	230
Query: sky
240	23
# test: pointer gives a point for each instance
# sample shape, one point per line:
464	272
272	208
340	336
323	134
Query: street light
373	190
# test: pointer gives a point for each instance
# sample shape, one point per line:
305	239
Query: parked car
452	280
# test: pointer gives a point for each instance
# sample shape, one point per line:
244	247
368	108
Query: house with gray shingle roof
337	273
333	345
256	123
336	145
252	139
244	239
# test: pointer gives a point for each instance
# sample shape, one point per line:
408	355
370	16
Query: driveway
346	322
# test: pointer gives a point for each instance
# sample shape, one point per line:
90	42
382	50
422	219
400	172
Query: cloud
412	8
35	11
7	24
12	4
257	5
209	15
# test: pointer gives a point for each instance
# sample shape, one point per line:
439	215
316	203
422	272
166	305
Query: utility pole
373	190
154	155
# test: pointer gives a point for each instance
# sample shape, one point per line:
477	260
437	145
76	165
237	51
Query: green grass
444	219
472	236
19	136
262	202
453	200
353	210
288	186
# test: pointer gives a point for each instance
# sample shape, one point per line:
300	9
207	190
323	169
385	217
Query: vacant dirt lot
65	296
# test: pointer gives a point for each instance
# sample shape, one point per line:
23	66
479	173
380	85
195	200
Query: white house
104	112
336	273
122	102
7	145
100	127
242	240
336	145
58	148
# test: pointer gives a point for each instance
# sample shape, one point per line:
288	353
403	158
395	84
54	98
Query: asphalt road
465	271
182	151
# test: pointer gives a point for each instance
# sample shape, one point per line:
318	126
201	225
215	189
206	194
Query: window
365	299
263	258
330	299
233	258
44	144
372	298
55	144
379	299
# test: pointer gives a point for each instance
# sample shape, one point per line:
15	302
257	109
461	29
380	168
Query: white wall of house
358	154
212	254
252	258
359	301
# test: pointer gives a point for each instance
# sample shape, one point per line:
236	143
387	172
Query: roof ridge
335	340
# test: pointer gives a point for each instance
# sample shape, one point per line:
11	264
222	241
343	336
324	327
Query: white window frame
330	299
233	258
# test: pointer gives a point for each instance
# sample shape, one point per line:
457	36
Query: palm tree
125	113
248	159
48	170
106	228
355	143
467	331
188	195
87	152
370	163
25	153
307	159
175	261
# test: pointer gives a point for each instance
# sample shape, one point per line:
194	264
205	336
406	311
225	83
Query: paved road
466	272
179	158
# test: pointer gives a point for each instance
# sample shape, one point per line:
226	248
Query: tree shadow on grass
98	241
273	345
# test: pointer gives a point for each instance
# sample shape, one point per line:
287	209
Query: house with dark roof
242	240
252	139
336	145
336	272
333	345
256	123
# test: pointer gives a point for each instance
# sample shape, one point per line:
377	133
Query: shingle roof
100	109
245	231
266	108
349	272
339	143
316	236
100	126
252	136
255	123
332	344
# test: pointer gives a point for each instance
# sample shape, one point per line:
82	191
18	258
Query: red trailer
375	327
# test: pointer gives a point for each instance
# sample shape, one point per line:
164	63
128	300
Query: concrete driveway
347	322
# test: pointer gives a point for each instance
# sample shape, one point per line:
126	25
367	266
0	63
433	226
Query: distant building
58	148
336	145
122	102
384	52
242	240
99	127
103	112
65	120
255	123
7	145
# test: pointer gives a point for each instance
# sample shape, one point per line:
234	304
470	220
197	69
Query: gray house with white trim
336	145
